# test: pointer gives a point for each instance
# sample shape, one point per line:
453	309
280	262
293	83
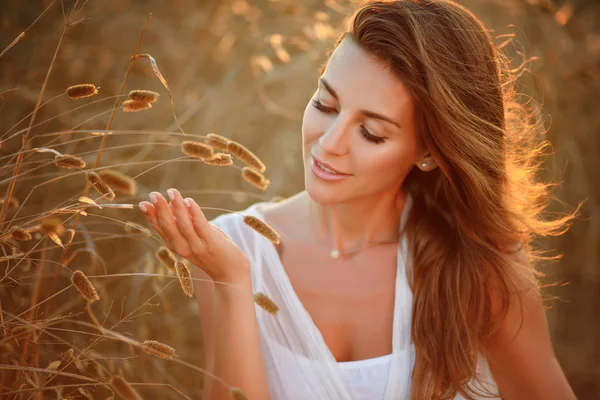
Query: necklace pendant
334	253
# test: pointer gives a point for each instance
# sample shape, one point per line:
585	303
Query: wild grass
90	298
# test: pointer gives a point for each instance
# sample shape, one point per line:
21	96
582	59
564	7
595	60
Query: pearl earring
424	165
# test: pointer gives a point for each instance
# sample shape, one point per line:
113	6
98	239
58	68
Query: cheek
311	124
388	165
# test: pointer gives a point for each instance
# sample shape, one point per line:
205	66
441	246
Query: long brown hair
483	205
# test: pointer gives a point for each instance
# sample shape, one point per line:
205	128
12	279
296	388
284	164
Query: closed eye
366	134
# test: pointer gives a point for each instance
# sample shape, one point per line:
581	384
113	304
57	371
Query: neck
353	224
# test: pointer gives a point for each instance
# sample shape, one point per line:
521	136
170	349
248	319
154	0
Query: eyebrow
366	113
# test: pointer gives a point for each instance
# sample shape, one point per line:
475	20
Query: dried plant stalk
262	227
118	181
147	96
98	184
183	273
69	162
81	91
266	303
84	286
237	394
277	199
246	156
136	229
166	257
255	178
220	160
197	149
216	141
158	349
135	105
124	389
20	234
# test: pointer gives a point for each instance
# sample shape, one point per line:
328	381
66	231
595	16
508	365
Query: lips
328	166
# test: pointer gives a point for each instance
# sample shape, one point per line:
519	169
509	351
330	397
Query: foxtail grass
84	286
158	349
246	156
266	303
183	273
82	90
262	227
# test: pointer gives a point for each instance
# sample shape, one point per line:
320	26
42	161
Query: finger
199	221
166	220
150	214
183	219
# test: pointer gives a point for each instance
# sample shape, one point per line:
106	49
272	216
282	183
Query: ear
426	163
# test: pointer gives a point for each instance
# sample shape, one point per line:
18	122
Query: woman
404	270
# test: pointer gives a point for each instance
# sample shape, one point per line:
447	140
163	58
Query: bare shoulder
285	214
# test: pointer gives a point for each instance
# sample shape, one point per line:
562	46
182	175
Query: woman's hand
183	227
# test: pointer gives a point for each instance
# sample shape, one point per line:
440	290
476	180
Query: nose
334	139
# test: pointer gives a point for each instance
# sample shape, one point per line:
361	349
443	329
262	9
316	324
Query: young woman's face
360	122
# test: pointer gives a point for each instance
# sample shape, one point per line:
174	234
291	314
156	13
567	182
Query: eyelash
371	138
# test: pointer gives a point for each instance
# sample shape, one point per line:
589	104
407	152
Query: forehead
361	80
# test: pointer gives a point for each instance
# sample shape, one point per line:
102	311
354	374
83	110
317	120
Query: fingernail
143	207
153	198
171	194
187	203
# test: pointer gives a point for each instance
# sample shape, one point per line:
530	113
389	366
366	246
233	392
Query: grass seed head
147	96
136	229
98	184
13	202
20	234
266	303
124	389
197	149
135	105
255	178
69	162
216	141
237	394
82	90
220	160
166	257
84	286
183	273
246	156
118	181
262	227
158	349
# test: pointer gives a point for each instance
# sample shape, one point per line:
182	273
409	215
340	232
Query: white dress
298	362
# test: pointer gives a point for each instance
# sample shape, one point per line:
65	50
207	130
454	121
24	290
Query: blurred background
244	70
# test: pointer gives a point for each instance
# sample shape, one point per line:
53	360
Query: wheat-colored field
91	304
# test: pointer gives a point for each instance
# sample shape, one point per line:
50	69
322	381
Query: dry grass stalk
197	149
147	96
216	141
51	224
81	91
124	389
183	273
13	202
166	257
266	303
158	349
135	105
69	162
118	181
98	184
136	229
86	393
220	160
237	394
277	199
255	178
20	234
246	156
84	286
262	227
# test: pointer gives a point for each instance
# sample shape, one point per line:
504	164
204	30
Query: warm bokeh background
244	70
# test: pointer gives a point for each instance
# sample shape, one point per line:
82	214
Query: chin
322	193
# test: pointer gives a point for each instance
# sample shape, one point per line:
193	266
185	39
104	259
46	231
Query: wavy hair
474	218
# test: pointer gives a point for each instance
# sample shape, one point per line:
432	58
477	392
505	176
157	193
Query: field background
244	70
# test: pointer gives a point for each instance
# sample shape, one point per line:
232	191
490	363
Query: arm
521	357
231	340
232	343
